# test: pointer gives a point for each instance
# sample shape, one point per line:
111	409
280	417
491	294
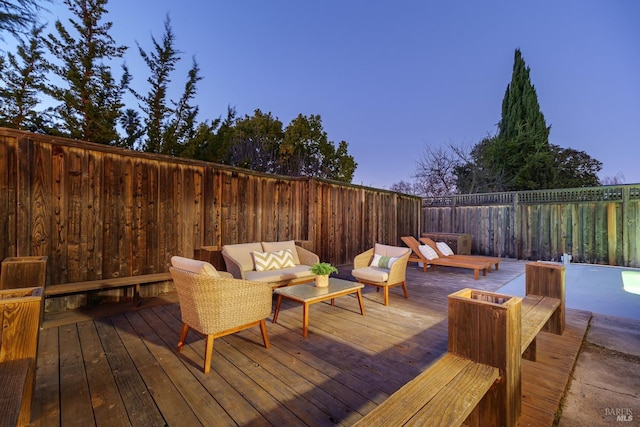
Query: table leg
359	295
275	313
305	319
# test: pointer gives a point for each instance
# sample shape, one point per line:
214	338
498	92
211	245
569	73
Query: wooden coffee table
308	294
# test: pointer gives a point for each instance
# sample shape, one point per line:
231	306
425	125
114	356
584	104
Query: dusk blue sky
390	77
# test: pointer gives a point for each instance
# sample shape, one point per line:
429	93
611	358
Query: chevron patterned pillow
273	260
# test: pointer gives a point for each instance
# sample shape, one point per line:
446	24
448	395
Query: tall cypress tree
521	153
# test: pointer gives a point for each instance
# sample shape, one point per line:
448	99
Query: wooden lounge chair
492	260
418	256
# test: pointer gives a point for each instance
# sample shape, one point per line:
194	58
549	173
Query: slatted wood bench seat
444	394
14	393
478	380
536	312
543	309
106	284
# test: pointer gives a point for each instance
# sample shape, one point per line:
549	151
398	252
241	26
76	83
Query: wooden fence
100	212
599	225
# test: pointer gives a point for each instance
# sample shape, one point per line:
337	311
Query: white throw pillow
444	248
382	261
273	260
428	252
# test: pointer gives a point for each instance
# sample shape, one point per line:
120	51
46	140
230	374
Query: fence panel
100	212
598	225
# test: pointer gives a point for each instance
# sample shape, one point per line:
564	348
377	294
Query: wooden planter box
485	327
23	272
212	255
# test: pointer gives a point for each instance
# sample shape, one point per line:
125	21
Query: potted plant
322	271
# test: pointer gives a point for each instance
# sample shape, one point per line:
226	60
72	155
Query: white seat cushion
371	274
278	275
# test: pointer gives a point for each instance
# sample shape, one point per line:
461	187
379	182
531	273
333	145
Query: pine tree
90	99
181	131
161	62
24	75
18	16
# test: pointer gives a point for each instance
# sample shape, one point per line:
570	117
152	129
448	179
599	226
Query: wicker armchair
219	306
379	277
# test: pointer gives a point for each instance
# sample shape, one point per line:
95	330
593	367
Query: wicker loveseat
240	261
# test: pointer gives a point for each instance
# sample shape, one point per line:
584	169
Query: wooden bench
478	381
543	309
21	314
470	383
445	394
15	394
106	284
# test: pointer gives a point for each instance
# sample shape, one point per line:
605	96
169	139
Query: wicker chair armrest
397	272
233	266
363	259
306	257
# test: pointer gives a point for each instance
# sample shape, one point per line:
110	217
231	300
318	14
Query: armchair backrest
391	251
194	266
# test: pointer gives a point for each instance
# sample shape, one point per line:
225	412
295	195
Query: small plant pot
322	281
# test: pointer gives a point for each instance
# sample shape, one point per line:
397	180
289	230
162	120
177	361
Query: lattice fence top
566	195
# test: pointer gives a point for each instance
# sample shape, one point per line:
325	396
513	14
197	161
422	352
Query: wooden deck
123	369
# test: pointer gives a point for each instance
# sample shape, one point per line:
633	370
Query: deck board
123	368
